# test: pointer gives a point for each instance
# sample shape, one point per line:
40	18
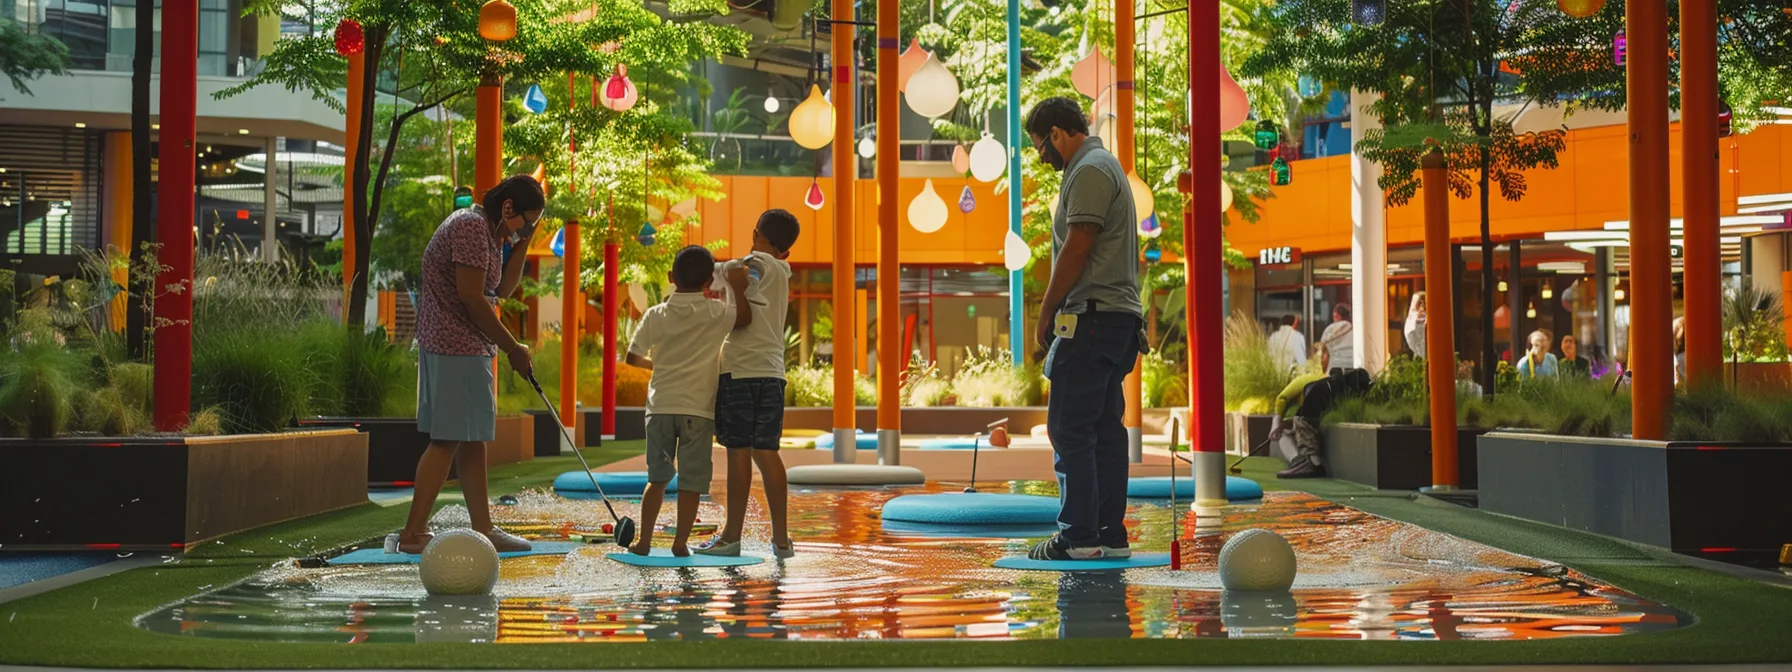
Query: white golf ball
459	562
1257	560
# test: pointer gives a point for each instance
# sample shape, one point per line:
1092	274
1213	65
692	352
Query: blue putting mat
615	483
865	441
1158	487
379	556
662	557
973	508
952	444
1137	560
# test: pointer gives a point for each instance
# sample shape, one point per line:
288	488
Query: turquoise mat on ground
1028	531
379	556
1136	561
865	441
952	444
1238	489
615	483
973	508
662	557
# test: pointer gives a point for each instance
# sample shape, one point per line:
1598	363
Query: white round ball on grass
1257	560
459	562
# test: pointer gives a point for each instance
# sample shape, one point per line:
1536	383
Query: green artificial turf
90	624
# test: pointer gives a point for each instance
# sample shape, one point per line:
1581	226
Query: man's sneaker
1056	548
1302	470
721	549
1117	552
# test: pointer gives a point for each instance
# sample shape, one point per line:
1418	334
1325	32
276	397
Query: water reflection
1361	577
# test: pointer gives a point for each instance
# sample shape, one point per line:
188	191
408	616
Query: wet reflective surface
1361	577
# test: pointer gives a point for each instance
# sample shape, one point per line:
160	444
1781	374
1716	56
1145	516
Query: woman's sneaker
506	542
721	549
1056	548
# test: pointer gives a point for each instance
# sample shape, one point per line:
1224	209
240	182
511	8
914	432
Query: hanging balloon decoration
966	201
645	237
934	92
1267	135
909	62
350	39
497	21
1152	253
814	198
1580	9
558	244
867	147
771	103
619	93
1092	74
988	159
812	122
927	213
961	160
1143	203
1235	106
1015	252
1225	195
535	100
1280	173
1151	228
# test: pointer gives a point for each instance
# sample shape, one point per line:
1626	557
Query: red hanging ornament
350	39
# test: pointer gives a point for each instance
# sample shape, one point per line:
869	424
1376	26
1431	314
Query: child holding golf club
750	395
678	340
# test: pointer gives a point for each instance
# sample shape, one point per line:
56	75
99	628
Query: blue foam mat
615	483
865	441
1137	560
1238	489
952	444
661	557
379	556
1029	531
973	508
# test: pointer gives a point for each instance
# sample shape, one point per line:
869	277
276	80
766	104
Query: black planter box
393	447
1685	497
1394	457
170	493
631	424
1244	432
547	433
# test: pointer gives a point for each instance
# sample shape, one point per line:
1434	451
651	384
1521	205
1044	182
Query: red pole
1440	329
846	173
174	218
1652	300
1698	136
569	327
1201	243
611	261
890	361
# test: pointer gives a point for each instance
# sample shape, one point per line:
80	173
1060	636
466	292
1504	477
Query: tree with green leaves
25	56
428	53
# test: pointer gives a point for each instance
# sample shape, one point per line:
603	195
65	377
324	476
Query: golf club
1176	518
625	526
976	443
1235	469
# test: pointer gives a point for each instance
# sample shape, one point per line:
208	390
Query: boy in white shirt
750	395
682	336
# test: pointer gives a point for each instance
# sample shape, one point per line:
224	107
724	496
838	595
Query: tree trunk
1488	359
142	212
359	179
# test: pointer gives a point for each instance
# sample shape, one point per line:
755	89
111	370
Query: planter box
1760	377
547	436
1679	496
171	493
394	445
631	424
949	420
1394	457
1244	432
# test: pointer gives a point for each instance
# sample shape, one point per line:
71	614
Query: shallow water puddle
1361	577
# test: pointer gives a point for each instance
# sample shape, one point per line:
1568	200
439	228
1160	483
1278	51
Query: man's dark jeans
1084	419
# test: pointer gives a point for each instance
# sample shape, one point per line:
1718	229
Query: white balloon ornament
1225	196
933	91
812	122
1015	252
867	147
1257	559
771	105
1142	200
927	213
459	562
988	159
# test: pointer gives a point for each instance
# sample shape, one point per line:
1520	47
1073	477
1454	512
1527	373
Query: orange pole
488	134
351	153
1698	137
1651	270
845	174
123	188
569	329
1124	27
891	356
1440	329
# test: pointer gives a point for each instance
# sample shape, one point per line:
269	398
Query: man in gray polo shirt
1090	325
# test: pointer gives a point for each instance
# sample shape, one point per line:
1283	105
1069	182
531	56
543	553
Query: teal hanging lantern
1152	253
1267	135
646	235
1280	173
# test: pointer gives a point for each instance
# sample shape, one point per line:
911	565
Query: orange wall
974	238
1589	189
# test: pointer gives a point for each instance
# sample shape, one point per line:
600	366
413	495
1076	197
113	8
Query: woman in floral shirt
458	333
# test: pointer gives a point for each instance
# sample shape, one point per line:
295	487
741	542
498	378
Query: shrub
923	386
135	383
379	378
206	422
1162	381
988	378
258	380
35	400
1251	373
1722	415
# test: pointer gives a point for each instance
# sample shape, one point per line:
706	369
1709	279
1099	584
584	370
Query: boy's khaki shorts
680	445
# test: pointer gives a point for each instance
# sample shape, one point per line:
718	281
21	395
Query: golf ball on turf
1257	560
459	562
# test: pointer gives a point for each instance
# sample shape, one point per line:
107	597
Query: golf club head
625	532
969	490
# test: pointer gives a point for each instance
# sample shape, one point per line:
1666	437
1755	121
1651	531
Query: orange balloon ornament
1235	106
999	437
1092	74
1580	9
910	62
